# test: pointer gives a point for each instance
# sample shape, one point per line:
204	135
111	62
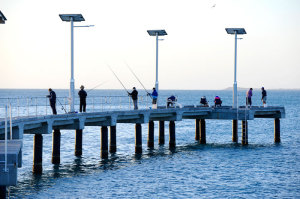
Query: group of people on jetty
171	101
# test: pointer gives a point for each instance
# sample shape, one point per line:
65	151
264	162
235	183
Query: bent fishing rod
138	80
117	78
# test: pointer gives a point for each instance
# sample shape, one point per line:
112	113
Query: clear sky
197	53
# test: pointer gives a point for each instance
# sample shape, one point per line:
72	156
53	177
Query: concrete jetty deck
48	124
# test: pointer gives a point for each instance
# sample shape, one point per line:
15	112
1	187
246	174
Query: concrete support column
138	138
197	129
78	142
172	138
234	131
113	139
104	142
202	137
56	147
276	130
161	133
37	154
2	191
150	142
244	132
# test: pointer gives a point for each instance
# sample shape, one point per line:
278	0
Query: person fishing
154	95
134	96
248	97
264	96
52	99
203	101
82	95
218	101
171	101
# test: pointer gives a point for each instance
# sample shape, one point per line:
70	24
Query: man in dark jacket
52	99
82	95
264	96
134	96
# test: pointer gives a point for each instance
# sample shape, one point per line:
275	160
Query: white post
10	121
235	82
5	142
72	90
156	82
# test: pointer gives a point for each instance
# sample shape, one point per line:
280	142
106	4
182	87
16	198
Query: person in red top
218	101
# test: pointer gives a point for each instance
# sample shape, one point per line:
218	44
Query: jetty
53	124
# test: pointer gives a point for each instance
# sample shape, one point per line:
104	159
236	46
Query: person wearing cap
52	99
263	96
82	95
154	96
248	97
134	96
218	101
203	101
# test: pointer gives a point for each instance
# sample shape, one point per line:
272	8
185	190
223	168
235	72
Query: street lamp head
2	18
75	17
239	31
157	32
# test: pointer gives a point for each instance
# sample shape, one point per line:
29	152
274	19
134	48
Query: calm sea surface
219	169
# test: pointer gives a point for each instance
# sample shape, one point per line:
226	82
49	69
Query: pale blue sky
196	54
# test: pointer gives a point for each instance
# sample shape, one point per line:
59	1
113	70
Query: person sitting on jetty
134	96
171	101
203	101
218	101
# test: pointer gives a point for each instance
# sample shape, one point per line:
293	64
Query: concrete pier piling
161	133
56	147
138	138
202	137
244	132
150	142
37	154
78	142
2	191
113	139
234	131
172	137
104	142
276	130
197	129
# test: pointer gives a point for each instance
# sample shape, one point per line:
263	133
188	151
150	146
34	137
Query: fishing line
117	78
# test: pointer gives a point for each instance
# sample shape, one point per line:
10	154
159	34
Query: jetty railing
36	106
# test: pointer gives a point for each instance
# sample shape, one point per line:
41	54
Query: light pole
157	33
72	18
235	31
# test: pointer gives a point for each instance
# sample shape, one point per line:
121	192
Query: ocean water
219	169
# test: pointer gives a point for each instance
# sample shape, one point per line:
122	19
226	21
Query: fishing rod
138	80
62	107
117	78
96	86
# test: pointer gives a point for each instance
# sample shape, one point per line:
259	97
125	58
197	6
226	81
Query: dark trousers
248	101
53	107
82	105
